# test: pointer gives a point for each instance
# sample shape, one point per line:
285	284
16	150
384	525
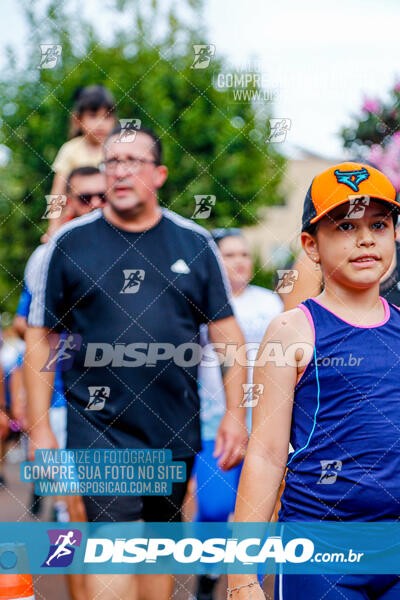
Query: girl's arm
58	189
267	452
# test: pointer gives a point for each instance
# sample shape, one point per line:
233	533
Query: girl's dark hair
91	98
311	229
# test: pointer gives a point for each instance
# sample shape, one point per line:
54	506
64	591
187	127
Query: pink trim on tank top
384	320
310	320
306	311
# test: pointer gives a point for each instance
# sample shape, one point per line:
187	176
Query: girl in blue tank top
331	386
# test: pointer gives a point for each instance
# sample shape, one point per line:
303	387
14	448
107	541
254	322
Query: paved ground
14	500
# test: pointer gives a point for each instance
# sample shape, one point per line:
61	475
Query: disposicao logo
62	547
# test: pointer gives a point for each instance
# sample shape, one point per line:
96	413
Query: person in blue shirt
85	192
4	419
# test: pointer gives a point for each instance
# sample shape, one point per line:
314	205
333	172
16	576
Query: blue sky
320	57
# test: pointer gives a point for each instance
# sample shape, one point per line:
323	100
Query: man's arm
231	441
39	389
44	277
20	322
18	397
223	329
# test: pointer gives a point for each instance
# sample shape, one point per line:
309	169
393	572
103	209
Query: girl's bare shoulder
291	326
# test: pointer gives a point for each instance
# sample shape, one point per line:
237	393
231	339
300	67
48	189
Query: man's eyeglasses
132	163
87	198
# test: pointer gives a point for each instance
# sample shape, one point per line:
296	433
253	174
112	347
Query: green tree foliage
211	144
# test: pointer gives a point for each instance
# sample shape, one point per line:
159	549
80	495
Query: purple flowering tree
375	134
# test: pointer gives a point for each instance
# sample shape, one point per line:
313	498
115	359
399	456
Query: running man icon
287	279
97	397
204	204
61	351
55	204
133	279
50	55
62	550
357	207
251	394
129	128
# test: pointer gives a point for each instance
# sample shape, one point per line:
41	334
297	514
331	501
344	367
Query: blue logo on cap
352	178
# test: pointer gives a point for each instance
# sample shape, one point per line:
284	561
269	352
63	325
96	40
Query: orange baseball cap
347	182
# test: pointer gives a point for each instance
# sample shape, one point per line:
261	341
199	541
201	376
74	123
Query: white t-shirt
77	153
33	267
254	309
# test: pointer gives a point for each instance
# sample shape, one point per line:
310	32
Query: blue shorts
337	587
216	489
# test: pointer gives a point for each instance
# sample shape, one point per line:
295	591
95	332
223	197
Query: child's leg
216	489
216	496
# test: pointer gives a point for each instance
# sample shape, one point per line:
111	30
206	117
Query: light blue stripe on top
315	414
